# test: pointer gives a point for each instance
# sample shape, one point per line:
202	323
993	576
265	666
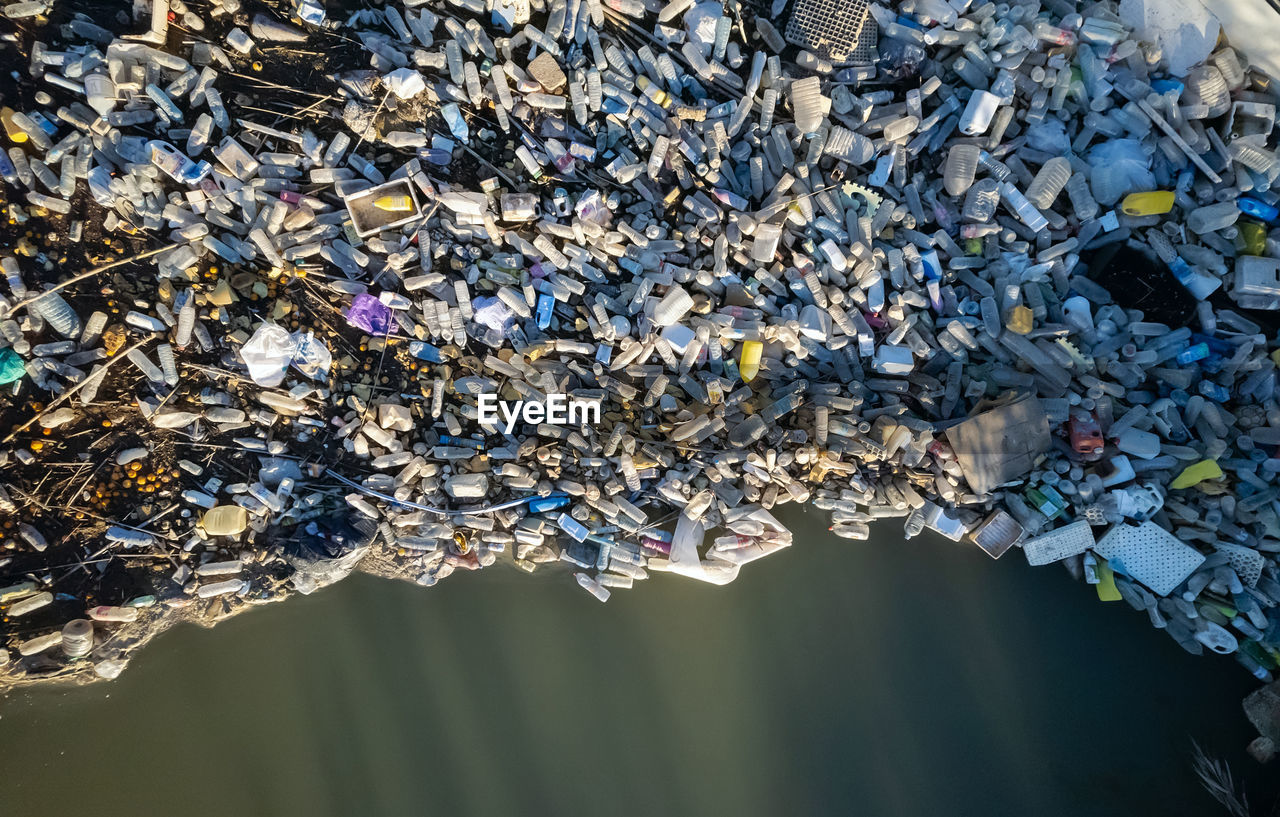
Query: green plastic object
11	367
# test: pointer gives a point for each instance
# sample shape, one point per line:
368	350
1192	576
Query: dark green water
880	678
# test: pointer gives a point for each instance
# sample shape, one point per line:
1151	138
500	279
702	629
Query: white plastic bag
268	354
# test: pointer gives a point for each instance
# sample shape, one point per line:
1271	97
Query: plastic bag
312	357
1049	136
371	315
405	83
11	367
493	313
1119	167
268	354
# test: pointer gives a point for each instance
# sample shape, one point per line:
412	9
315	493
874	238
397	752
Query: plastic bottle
1153	203
981	200
978	113
1212	217
962	164
1022	208
101	92
1082	202
672	308
1048	183
1206	84
806	103
58	314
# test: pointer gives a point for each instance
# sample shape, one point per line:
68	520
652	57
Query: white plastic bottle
101	92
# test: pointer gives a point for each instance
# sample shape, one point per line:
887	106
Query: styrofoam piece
1150	555
1058	544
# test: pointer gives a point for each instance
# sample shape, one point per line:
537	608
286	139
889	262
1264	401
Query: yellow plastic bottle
394	204
15	133
1106	585
225	520
1195	474
1252	238
1020	320
749	360
1151	203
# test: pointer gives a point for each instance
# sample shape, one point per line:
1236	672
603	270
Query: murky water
880	678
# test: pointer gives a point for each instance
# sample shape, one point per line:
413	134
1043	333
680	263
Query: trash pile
1012	282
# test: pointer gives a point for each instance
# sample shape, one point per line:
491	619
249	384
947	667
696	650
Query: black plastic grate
841	31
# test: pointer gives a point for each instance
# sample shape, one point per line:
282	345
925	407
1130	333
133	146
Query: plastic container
225	520
672	308
1049	182
1153	203
962	164
807	103
77	638
981	200
1212	217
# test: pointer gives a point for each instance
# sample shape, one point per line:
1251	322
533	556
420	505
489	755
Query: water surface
882	677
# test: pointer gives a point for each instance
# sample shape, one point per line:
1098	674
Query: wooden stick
93	272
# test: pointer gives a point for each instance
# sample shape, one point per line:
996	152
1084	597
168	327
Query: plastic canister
225	520
978	113
1137	443
1150	203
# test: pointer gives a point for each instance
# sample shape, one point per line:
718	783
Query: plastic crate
841	31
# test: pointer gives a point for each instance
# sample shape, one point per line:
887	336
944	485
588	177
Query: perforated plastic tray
841	31
1149	554
1057	545
1246	562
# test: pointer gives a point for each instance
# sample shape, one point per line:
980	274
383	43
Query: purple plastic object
371	315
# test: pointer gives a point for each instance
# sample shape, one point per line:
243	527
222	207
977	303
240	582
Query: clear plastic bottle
93	329
58	314
1213	217
13	275
1228	63
849	146
1259	160
199	136
1048	183
981	200
1082	202
168	365
806	103
962	165
139	358
186	322
1206	84
673	306
1022	207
